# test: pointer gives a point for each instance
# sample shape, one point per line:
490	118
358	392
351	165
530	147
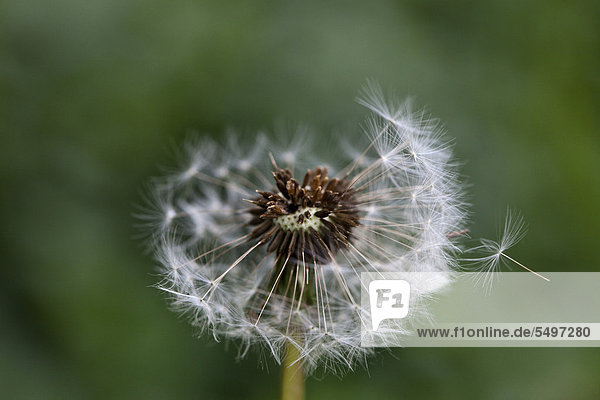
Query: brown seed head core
306	222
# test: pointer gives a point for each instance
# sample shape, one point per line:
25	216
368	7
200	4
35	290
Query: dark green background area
95	94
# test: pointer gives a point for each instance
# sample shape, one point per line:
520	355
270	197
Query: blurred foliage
95	94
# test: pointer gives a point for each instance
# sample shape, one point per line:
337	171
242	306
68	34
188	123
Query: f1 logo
389	299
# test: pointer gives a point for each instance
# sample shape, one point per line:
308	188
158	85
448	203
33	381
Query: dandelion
265	245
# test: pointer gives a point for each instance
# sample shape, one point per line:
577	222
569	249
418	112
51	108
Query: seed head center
304	219
309	220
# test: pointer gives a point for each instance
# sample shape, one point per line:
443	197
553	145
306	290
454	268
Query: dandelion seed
514	229
256	249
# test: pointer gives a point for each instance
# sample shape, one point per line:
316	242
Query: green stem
292	374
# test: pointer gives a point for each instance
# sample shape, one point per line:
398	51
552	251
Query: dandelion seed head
254	253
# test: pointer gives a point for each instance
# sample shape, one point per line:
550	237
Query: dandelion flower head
264	244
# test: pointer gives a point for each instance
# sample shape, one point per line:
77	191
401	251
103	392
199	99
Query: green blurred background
95	94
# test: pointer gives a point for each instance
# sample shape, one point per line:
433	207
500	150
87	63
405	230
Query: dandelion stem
292	374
